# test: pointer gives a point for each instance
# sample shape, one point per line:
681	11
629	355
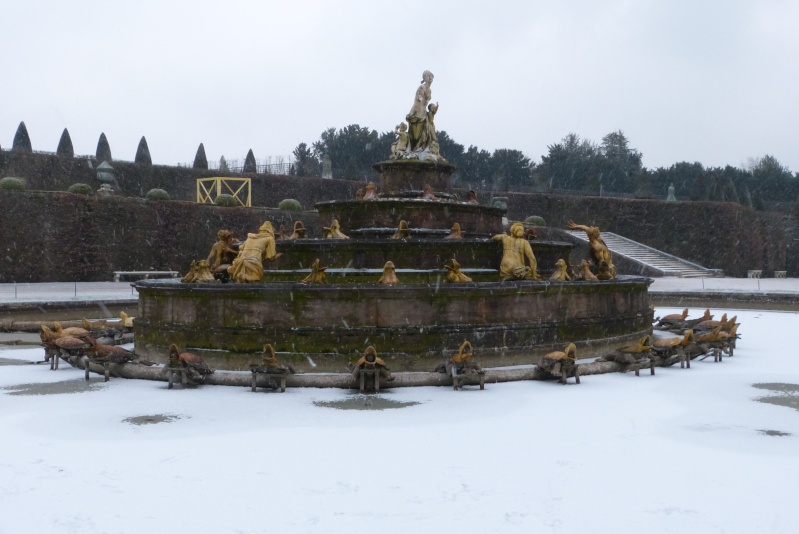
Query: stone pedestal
412	175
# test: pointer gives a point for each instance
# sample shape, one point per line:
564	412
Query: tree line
574	164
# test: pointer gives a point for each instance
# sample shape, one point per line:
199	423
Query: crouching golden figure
248	265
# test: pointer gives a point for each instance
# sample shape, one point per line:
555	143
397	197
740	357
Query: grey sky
709	81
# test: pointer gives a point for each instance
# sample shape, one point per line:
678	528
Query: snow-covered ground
683	451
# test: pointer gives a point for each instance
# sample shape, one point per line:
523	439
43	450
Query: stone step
635	251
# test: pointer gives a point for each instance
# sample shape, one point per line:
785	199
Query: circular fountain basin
322	328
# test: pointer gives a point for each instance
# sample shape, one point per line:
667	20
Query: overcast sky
708	81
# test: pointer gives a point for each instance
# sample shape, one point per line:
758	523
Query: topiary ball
289	204
535	220
226	201
10	183
80	189
158	194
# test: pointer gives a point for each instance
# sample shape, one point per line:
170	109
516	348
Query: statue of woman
517	254
417	117
248	266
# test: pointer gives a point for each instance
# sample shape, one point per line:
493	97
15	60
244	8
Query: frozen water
684	451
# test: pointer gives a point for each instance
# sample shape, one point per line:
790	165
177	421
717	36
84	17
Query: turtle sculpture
462	367
389	274
317	274
127	321
196	369
560	365
370	365
666	347
454	274
108	353
561	273
691	323
710	324
670	320
270	364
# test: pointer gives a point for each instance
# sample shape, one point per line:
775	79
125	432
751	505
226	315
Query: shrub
535	220
9	183
80	189
158	194
289	204
226	201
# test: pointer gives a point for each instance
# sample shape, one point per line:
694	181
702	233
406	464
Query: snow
682	451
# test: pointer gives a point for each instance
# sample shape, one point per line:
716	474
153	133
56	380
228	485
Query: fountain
416	323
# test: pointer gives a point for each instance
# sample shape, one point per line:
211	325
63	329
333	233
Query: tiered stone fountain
415	324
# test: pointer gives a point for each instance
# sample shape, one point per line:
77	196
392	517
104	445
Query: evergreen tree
65	145
306	163
200	161
103	150
22	142
249	163
143	153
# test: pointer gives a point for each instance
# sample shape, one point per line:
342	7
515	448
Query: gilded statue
598	250
223	252
428	193
403	232
454	273
585	272
248	265
389	274
199	271
299	231
561	273
334	231
455	233
471	198
518	261
317	275
370	192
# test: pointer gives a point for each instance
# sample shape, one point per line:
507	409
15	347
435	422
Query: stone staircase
653	262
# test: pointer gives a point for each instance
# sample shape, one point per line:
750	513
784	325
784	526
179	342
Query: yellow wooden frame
210	188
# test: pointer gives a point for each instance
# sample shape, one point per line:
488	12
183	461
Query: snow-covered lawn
683	451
